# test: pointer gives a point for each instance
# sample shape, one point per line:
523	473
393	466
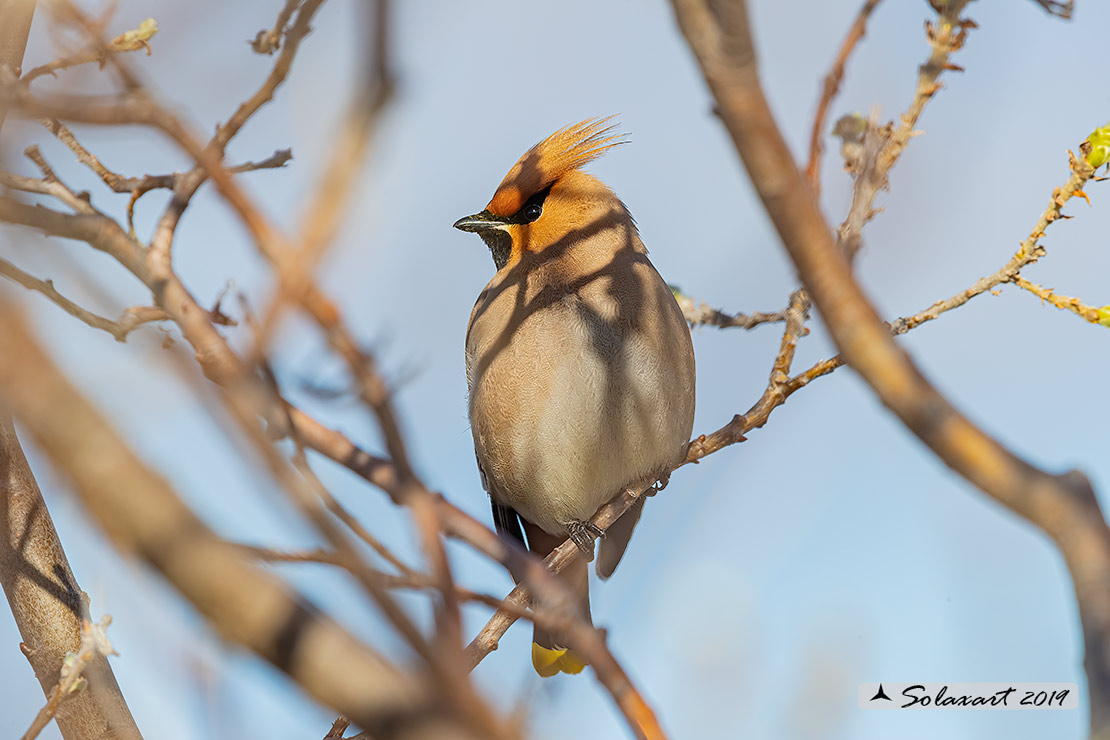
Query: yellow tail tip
548	662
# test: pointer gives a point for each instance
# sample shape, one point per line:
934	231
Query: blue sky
764	584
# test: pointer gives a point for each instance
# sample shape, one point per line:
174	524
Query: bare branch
269	41
414	580
1064	506
144	516
127	41
700	314
1062	9
17	15
293	37
131	319
332	195
48	185
887	143
829	90
1087	313
94	645
48	605
120	184
1028	252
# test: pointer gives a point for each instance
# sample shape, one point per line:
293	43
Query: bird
579	363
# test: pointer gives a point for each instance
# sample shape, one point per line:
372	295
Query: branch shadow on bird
536	282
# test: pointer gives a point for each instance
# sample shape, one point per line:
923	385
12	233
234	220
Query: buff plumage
579	363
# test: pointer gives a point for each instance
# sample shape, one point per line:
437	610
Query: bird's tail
550	656
549	662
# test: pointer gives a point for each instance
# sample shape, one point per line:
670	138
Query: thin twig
79	202
121	184
269	41
94	644
1087	313
133	40
945	37
331	198
338	728
829	90
1062	9
146	517
293	37
701	314
130	320
1028	252
414	580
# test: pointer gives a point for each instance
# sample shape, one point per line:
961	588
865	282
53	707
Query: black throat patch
500	245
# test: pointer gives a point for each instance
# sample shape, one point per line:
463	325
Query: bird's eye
531	212
532	209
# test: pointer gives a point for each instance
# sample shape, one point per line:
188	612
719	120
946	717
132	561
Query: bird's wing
507	521
616	539
505	518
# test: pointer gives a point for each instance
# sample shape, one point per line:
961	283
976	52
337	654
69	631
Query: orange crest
566	150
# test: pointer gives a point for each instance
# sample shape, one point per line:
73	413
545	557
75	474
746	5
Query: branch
120	184
128	41
15	29
48	605
1028	252
267	42
413	580
885	144
1094	315
155	270
830	89
1063	506
130	320
330	200
49	184
700	314
94	647
1057	8
144	516
301	27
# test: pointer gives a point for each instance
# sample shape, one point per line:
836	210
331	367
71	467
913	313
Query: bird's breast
578	389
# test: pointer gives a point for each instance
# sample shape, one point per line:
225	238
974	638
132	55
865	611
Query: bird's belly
574	422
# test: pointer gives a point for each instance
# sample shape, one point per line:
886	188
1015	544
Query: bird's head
546	199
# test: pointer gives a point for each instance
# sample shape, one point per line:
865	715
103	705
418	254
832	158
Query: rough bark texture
47	603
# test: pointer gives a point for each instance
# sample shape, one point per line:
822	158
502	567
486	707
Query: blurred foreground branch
144	516
324	660
50	609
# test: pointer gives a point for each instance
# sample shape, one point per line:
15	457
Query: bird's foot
582	534
659	485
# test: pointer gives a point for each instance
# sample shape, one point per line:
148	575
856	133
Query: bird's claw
582	534
659	484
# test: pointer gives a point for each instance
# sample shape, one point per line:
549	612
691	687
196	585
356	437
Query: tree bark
47	603
45	599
